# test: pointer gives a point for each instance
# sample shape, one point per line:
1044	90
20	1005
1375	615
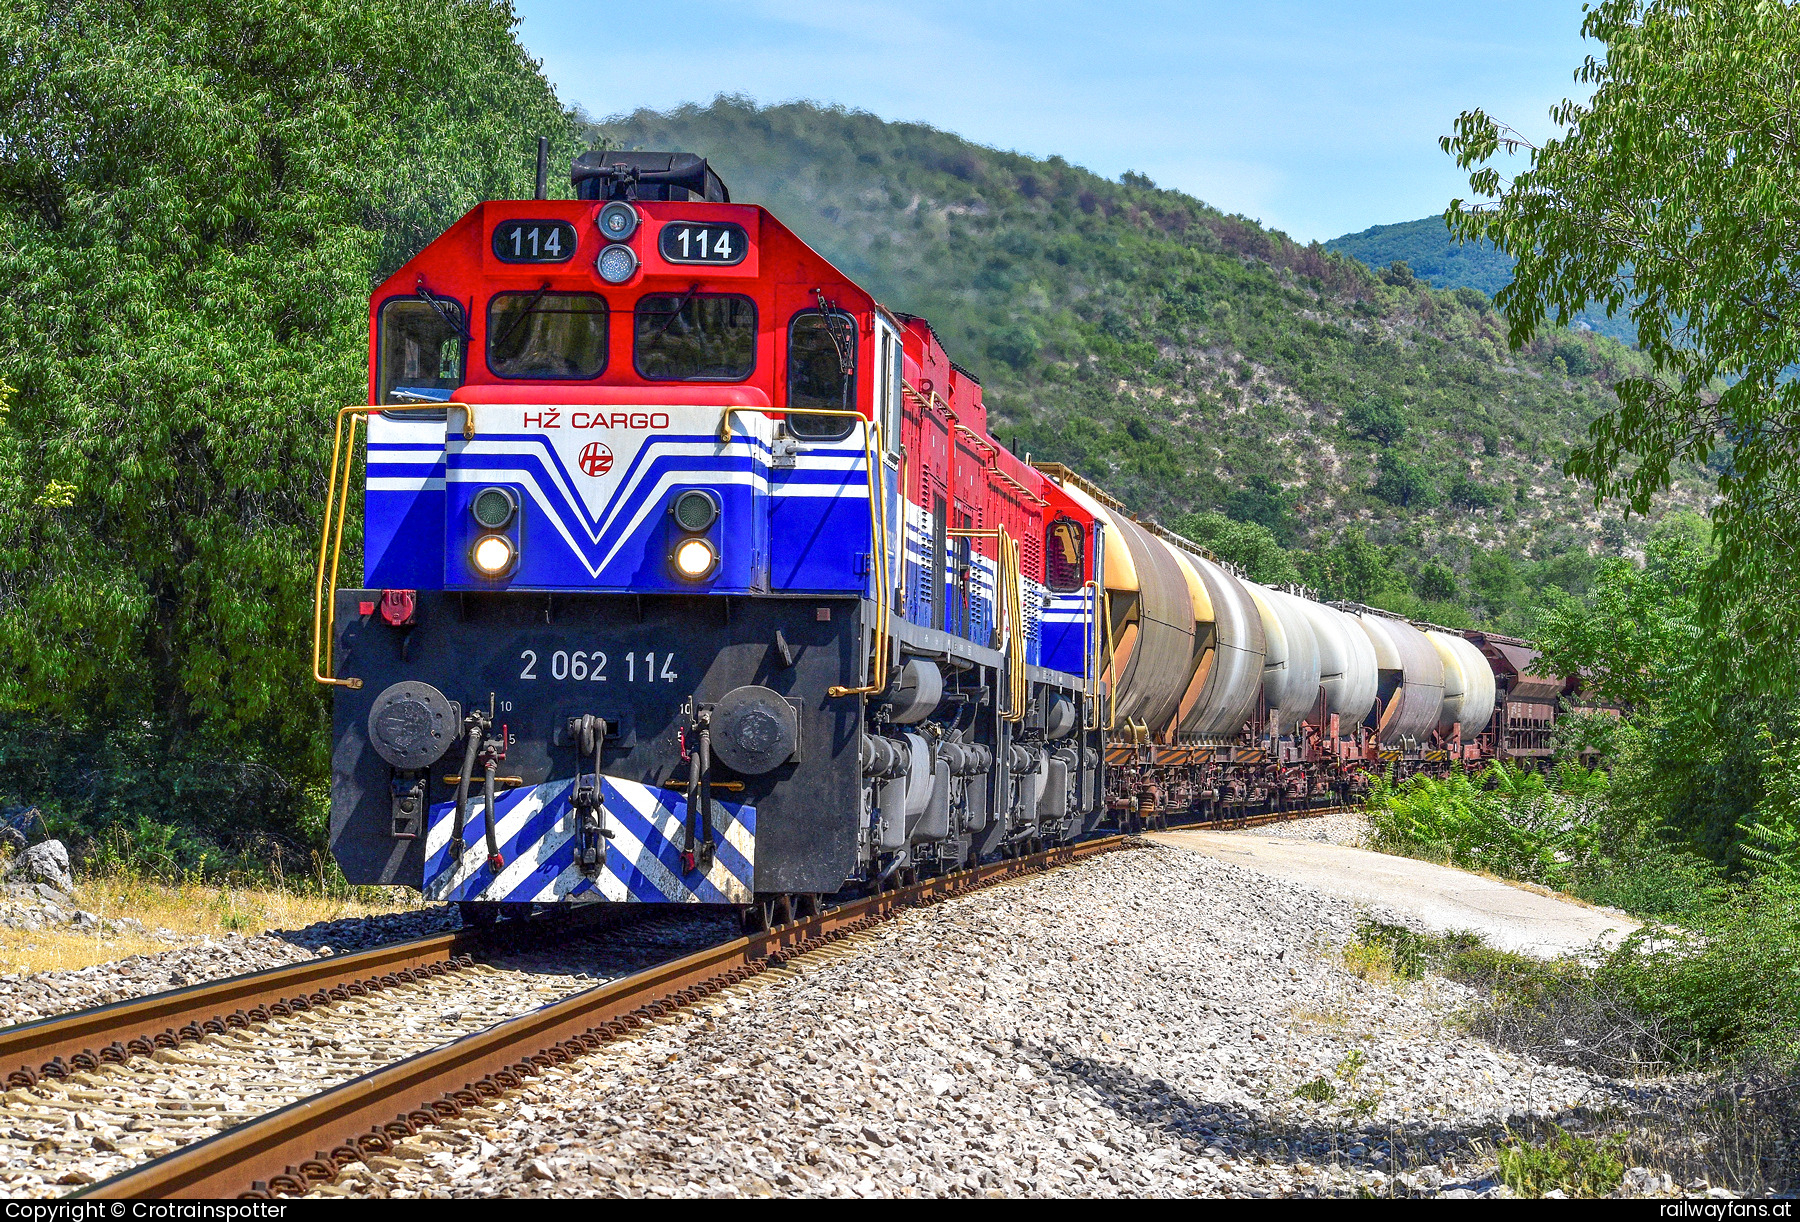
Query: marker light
617	221
617	264
494	507
695	559
493	555
695	510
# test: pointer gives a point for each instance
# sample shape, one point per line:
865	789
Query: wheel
754	918
480	916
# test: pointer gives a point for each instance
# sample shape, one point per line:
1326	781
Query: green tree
1494	580
1436	582
1400	481
1466	493
1376	419
1350	568
1694	755
1263	501
195	201
1249	545
1673	193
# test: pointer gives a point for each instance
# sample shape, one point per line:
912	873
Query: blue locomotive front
633	512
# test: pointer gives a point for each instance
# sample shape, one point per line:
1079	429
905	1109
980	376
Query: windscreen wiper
449	311
521	316
676	312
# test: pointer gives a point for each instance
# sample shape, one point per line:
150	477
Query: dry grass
187	909
1329	1018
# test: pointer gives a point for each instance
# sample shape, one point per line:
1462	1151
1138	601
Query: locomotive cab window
546	335
419	352
1065	556
694	337
821	374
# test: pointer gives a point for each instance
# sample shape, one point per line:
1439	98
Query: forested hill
1186	359
1431	254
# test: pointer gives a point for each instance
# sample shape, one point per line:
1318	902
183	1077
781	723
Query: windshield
419	356
547	335
816	378
690	337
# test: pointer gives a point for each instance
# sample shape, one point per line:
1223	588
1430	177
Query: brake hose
487	791
462	796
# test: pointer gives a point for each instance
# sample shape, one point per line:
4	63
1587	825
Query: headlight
695	559
494	507
493	555
695	510
617	221
617	264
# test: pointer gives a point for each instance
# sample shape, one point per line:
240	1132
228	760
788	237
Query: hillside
1189	360
1429	251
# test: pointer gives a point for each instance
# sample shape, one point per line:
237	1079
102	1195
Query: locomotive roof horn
611	174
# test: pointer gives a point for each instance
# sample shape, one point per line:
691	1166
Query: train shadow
1278	1132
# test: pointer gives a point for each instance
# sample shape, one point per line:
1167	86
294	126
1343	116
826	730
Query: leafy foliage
1566	1162
1250	546
1772	834
1671	196
1507	821
194	205
1693	757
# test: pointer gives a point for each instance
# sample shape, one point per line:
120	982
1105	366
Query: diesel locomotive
693	574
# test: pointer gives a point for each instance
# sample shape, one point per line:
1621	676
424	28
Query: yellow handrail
331	541
878	535
1113	681
1010	603
1090	661
1015	588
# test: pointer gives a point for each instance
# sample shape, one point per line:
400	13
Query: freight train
693	574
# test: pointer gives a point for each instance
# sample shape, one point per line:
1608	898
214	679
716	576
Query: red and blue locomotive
693	574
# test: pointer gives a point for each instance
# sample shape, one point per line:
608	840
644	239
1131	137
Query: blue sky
1315	118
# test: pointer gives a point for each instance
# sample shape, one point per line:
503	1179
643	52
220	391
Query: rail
84	1040
878	538
309	1141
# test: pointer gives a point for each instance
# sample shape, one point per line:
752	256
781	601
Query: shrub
1577	1166
1402	483
1507	821
1376	419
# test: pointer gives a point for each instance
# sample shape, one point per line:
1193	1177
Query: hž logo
596	458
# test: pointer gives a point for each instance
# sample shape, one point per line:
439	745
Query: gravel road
1137	1025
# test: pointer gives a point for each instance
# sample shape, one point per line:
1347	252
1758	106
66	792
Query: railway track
217	1084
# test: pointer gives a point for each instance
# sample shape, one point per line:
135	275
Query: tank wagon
693	574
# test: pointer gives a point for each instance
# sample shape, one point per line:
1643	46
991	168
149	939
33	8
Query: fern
1771	844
